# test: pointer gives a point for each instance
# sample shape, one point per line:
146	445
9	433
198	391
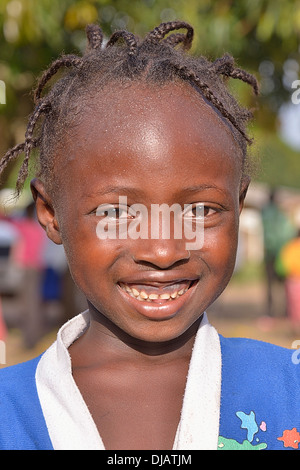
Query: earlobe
45	211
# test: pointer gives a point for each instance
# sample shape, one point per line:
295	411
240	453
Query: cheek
89	258
95	266
219	250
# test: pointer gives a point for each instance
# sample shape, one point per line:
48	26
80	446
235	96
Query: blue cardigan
260	400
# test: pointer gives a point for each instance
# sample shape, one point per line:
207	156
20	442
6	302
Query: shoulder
251	349
18	379
22	424
24	369
251	358
260	394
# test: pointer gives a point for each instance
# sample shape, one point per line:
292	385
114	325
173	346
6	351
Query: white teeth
153	296
135	292
164	296
143	296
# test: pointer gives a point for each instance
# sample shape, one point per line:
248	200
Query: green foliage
279	164
263	35
250	273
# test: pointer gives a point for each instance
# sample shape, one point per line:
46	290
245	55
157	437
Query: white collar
70	424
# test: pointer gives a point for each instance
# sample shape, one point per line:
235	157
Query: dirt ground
239	312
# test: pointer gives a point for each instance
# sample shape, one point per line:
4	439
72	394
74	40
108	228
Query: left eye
198	211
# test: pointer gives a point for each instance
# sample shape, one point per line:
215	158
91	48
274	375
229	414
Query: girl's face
152	145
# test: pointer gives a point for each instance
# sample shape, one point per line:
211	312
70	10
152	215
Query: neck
106	337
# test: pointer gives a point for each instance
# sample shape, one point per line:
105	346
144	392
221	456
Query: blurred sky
289	116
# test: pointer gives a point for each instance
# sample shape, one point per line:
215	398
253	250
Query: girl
131	127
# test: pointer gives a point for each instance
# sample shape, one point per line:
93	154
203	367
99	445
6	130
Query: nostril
160	254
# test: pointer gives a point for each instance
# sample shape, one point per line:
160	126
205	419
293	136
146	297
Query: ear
45	211
243	191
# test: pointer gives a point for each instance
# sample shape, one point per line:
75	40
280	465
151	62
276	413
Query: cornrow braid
225	66
175	39
163	29
30	142
208	94
161	57
65	61
11	155
94	36
129	38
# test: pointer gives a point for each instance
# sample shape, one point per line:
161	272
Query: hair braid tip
159	33
94	36
64	61
129	39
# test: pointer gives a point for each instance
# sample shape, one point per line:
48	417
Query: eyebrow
114	190
137	192
201	187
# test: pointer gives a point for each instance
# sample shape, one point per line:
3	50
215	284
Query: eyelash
202	211
110	207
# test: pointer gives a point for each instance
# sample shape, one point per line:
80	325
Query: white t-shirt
71	425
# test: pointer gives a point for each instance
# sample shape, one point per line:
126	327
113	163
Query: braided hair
160	57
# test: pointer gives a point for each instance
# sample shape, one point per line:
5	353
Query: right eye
114	212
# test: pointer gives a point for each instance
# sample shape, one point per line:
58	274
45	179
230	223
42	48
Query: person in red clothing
28	257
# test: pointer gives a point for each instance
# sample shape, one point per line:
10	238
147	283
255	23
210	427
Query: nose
160	253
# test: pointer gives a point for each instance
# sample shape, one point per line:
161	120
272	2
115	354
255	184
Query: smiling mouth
150	293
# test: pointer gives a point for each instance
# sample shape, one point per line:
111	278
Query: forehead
131	127
177	106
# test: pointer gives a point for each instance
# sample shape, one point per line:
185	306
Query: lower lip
163	310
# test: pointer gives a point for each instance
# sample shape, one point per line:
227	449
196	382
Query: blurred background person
28	256
277	230
289	266
8	238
